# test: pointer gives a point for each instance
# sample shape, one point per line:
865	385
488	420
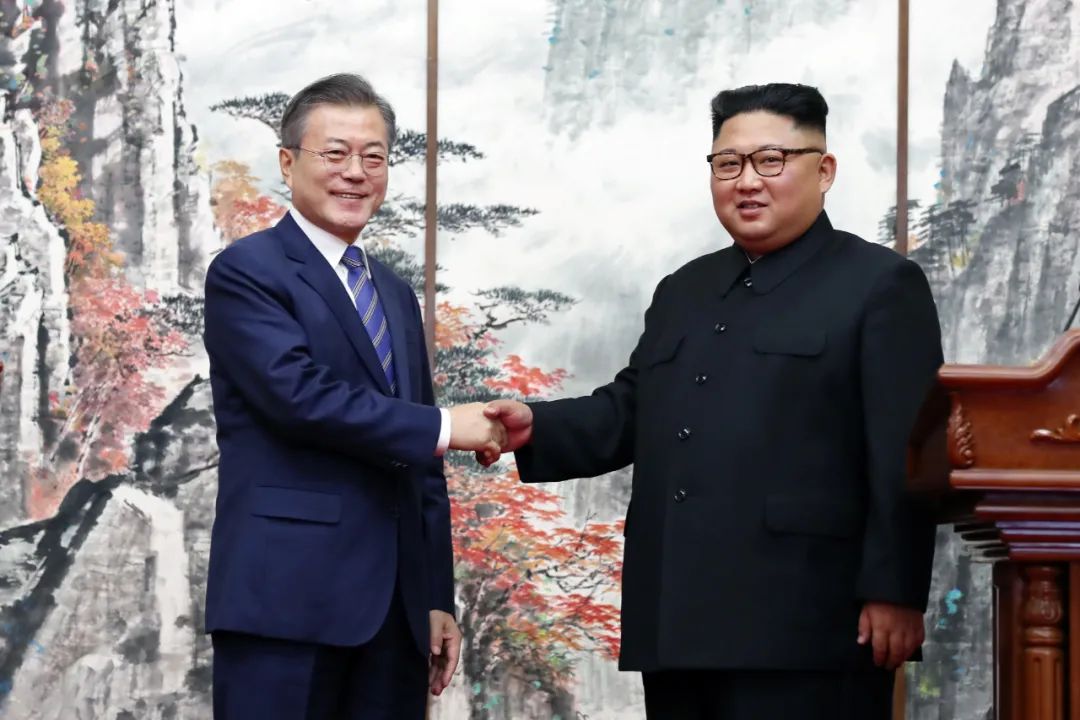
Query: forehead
355	124
751	130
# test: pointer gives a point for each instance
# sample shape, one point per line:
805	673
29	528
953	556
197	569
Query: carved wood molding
1067	433
1043	608
956	376
1043	656
961	437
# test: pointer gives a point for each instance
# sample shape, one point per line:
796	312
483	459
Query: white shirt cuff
444	434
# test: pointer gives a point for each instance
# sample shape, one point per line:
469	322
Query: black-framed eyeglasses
374	163
767	162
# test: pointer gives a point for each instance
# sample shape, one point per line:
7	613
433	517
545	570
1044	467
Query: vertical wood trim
902	128
431	158
1008	602
899	697
1073	630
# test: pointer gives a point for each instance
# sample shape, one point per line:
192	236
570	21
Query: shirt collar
772	269
329	246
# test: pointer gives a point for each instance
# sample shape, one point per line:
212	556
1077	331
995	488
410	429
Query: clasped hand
490	429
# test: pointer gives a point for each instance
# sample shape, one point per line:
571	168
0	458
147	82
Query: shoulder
252	255
875	263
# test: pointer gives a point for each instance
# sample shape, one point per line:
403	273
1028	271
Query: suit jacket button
748	281
719	328
680	495
700	379
684	433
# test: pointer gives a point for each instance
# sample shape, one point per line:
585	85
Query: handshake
490	429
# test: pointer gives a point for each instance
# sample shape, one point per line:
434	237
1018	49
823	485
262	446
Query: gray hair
339	89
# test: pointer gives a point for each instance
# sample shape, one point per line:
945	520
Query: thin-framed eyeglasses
767	162
374	163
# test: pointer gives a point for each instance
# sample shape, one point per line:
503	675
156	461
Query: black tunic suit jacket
766	410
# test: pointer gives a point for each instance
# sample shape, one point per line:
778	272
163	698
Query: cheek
721	195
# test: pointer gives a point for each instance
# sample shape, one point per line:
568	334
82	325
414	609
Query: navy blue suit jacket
329	491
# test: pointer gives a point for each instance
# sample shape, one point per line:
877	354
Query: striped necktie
366	300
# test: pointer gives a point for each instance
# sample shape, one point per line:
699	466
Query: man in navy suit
330	590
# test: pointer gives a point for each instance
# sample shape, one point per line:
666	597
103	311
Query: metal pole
902	131
430	165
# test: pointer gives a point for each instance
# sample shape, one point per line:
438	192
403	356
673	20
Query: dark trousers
768	695
258	678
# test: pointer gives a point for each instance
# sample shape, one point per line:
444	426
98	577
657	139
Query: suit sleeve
435	506
255	341
587	436
900	357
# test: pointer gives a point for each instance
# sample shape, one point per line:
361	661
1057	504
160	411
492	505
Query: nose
748	179
354	168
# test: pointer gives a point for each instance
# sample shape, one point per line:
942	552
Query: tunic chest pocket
661	351
800	342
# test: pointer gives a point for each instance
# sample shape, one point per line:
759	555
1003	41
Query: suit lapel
315	271
395	310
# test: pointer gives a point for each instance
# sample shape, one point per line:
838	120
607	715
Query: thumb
864	627
492	410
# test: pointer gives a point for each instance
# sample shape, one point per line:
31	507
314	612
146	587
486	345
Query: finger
495	408
864	627
898	649
453	652
492	451
433	676
880	640
435	635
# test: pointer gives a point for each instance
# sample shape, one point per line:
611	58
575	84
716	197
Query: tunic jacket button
680	495
684	433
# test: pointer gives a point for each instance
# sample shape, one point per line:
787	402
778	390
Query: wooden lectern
998	450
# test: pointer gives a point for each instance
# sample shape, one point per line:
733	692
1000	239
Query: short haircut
340	89
801	103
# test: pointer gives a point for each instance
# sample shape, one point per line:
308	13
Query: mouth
349	195
750	205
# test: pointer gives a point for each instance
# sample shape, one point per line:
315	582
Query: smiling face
339	200
763	214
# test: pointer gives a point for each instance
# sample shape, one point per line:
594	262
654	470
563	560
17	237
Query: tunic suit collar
772	269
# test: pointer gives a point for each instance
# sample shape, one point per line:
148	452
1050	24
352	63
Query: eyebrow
369	144
770	146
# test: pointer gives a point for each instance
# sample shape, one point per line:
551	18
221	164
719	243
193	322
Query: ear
826	172
286	160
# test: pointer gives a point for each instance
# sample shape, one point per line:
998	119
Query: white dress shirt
333	249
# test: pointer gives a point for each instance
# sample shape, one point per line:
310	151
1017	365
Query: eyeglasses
374	163
768	162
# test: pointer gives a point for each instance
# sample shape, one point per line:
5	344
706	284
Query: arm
435	505
901	354
445	635
587	436
253	339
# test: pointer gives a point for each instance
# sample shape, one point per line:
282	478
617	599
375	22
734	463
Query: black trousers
257	678
768	695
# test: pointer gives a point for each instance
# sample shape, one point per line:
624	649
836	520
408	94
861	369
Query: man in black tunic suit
775	566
